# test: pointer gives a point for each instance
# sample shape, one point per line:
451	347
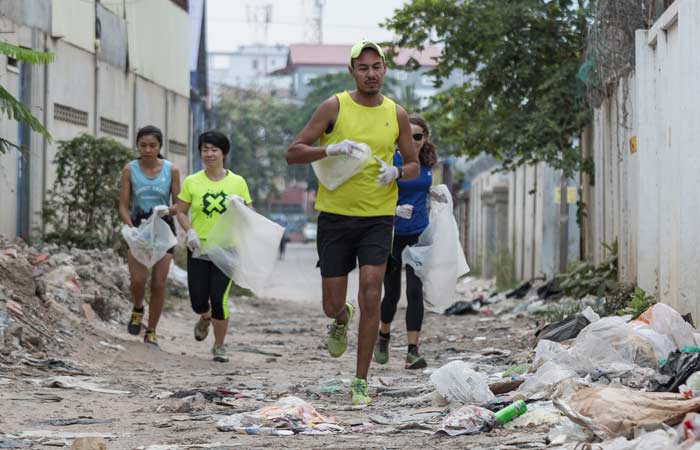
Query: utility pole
313	32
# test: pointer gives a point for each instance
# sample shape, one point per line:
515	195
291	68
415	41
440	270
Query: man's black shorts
343	240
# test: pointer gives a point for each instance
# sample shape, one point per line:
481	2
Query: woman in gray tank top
149	184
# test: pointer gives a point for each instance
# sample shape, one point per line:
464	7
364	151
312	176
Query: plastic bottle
510	412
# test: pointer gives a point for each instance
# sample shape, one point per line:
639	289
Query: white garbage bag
437	257
244	245
456	382
150	241
333	171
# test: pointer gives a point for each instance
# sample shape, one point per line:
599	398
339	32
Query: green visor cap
363	44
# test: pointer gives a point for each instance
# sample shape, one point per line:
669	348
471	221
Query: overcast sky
231	23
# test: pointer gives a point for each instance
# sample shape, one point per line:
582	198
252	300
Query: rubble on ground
45	290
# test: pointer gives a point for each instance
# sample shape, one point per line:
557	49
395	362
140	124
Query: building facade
249	68
115	70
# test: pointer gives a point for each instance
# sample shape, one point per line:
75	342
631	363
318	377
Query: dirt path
291	336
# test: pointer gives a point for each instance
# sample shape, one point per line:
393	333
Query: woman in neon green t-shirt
205	196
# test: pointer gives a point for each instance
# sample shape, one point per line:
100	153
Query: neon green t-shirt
207	198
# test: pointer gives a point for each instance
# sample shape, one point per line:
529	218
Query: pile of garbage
44	287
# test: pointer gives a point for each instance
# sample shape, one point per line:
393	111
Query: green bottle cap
510	412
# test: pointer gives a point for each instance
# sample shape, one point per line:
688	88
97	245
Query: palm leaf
25	55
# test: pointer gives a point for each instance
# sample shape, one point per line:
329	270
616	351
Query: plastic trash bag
437	258
546	351
333	171
563	330
662	344
547	376
456	382
678	367
244	245
666	320
150	241
468	419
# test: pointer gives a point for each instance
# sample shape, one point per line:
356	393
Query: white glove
161	211
342	148
234	198
404	211
437	194
387	173
192	240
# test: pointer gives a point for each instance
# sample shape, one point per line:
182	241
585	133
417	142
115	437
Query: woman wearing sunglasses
410	221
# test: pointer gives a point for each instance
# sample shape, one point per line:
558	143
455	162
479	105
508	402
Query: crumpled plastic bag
614	410
563	330
438	258
678	368
662	344
456	382
244	245
667	321
333	171
547	376
468	419
288	412
150	241
546	351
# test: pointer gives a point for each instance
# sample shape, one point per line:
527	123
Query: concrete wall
667	93
74	22
79	92
613	200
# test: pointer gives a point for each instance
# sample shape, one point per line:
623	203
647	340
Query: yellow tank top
376	126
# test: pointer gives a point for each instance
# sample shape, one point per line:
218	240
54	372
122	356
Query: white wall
668	101
613	201
74	22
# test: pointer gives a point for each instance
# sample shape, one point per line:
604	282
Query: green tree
9	105
260	128
83	206
521	58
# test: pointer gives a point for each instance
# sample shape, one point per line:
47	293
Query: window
12	64
114	128
70	115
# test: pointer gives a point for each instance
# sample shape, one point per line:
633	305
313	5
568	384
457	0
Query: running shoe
201	329
149	338
381	350
338	334
415	361
134	326
359	392
219	353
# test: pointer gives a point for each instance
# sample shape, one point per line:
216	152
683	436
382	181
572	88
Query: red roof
325	55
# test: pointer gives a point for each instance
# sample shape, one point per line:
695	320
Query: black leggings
392	287
208	286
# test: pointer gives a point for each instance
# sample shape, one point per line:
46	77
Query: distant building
308	61
199	85
249	67
118	66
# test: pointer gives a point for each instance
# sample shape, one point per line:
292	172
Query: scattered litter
515	371
53	365
456	382
468	419
563	330
669	322
291	413
67	422
112	346
568	431
406	417
50	434
678	368
613	411
462	307
691	388
83	383
14	443
62	281
510	412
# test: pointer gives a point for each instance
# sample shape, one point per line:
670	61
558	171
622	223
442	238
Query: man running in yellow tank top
356	219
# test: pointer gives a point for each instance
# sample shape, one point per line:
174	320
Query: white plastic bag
545	352
666	320
437	257
456	382
662	344
333	171
244	245
150	241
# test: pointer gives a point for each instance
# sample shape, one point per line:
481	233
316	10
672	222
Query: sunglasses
418	136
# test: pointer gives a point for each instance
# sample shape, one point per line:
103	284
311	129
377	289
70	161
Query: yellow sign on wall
571	195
